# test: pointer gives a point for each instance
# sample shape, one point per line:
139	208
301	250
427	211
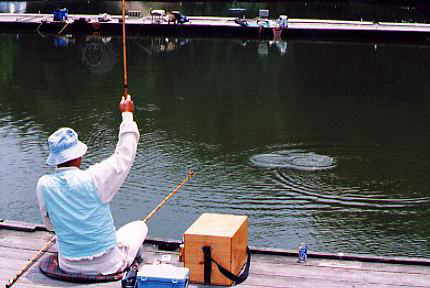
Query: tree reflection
159	45
97	54
7	56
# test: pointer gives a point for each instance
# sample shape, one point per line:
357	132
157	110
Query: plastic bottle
302	253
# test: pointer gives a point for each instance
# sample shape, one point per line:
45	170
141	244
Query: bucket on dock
60	14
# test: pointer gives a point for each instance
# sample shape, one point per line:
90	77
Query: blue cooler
162	275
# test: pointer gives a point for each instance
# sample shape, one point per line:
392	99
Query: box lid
163	271
211	224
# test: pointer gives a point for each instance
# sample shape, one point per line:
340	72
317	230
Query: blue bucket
60	14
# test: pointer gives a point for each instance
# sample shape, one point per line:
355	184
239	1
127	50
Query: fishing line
51	241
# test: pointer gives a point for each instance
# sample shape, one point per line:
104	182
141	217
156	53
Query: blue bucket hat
64	146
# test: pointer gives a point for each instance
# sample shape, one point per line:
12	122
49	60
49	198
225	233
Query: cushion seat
50	267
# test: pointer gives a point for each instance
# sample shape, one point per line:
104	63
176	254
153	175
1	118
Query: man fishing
75	202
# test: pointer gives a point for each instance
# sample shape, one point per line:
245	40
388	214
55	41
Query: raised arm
111	173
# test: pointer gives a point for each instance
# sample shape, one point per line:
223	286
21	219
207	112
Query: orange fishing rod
190	175
124	52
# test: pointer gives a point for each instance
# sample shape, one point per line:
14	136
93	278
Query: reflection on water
212	105
297	159
265	47
157	45
97	54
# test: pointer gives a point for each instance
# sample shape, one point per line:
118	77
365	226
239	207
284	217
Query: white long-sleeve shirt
108	176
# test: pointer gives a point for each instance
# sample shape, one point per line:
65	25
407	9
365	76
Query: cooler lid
167	271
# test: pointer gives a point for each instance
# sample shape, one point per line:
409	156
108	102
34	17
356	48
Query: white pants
130	238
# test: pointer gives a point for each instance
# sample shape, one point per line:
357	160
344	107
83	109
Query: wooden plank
303	282
14	259
255	280
34	277
76	285
363	266
342	256
304	271
20	226
7	236
33	285
8	253
6	233
266	270
380	267
26	243
342	274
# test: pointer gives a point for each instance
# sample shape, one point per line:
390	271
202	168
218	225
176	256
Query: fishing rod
48	245
124	51
31	262
152	213
190	175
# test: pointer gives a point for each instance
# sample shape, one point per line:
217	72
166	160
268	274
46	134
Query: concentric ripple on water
294	159
357	181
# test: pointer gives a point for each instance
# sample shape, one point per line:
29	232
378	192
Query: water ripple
315	191
294	159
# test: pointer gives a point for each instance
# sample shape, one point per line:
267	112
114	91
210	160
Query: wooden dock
269	268
219	26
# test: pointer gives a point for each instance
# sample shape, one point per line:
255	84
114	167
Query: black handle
207	264
129	279
237	279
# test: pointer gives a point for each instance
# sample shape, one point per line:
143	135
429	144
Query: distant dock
219	27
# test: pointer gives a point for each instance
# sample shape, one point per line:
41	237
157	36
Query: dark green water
213	106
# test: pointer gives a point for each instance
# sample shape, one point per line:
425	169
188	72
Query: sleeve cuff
127	116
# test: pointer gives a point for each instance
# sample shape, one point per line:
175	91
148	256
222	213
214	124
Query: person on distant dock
75	203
